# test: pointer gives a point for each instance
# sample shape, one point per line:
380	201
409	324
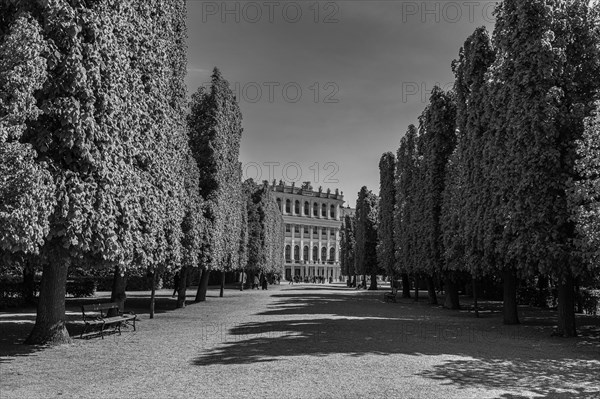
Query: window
332	212
323	231
296	229
297	253
287	206
332	232
288	255
315	209
306	253
287	229
305	229
315	231
315	254
324	211
331	253
306	208
297	207
323	254
279	203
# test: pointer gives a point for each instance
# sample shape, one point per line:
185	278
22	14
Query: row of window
315	231
315	253
315	207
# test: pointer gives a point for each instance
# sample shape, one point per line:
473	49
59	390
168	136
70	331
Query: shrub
81	288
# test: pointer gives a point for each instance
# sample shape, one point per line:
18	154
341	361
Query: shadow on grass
354	324
17	323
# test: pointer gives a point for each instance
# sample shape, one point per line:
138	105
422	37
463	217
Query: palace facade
312	230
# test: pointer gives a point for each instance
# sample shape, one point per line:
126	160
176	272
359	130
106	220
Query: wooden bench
391	296
102	320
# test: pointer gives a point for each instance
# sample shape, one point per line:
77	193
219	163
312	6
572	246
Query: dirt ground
304	341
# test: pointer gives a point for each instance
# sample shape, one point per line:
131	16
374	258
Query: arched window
306	208
296	253
306	257
332	254
332	211
315	254
323	254
324	211
279	203
288	253
315	209
297	207
287	206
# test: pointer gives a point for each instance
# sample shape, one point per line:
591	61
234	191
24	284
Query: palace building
312	230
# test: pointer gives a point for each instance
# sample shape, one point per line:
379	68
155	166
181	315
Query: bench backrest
99	307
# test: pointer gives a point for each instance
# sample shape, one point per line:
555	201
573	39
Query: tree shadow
555	378
360	324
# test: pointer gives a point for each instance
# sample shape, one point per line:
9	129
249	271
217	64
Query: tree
107	130
543	94
437	136
265	230
387	200
405	201
215	131
192	226
347	245
585	197
366	236
466	198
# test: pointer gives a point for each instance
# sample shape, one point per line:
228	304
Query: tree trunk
405	286
373	286
118	294
511	315
416	288
566	310
153	294
202	285
475	297
452	300
200	274
431	291
242	280
50	320
28	284
222	283
181	292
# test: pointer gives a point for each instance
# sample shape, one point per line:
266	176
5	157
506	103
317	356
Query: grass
305	341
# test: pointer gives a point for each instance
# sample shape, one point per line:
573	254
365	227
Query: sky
326	87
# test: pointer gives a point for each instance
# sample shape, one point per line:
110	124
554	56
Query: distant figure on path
264	282
256	282
175	284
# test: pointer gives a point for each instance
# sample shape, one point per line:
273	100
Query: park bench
391	296
103	320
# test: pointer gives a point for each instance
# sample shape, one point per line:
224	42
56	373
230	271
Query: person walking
175	284
255	284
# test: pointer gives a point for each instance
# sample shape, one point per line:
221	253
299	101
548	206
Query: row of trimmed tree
104	165
501	177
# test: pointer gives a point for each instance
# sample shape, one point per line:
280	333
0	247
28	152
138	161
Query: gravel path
309	341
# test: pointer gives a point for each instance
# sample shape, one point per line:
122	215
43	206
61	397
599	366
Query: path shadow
356	325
